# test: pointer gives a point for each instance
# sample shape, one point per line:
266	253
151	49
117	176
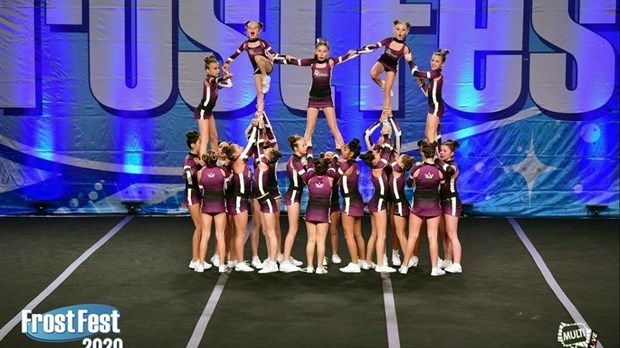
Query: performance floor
521	279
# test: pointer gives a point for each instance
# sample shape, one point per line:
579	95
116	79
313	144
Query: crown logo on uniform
319	185
211	175
429	175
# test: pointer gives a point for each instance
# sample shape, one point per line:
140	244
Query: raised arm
386	151
398	134
270	136
249	149
368	134
261	146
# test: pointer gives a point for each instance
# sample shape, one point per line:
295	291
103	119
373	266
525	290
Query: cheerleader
298	174
400	209
269	140
267	156
191	194
395	47
318	212
320	97
238	204
353	205
334	217
258	50
451	207
426	208
377	205
212	179
204	111
436	105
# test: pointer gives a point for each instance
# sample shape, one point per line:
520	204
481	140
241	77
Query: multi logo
577	335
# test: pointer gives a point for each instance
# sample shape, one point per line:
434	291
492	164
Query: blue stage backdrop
96	96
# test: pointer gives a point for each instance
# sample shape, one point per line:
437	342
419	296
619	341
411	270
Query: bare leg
311	116
311	244
241	223
207	220
212	133
194	212
430	130
264	65
293	226
452	224
203	128
321	234
416	247
375	74
229	232
415	223
348	226
333	230
332	123
256	225
220	227
359	239
392	224
277	228
443	237
380	225
387	91
400	227
432	225
260	97
270	235
372	241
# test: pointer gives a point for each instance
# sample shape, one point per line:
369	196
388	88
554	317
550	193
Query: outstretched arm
290	60
345	57
233	56
372	47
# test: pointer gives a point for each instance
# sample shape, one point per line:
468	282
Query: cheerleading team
220	186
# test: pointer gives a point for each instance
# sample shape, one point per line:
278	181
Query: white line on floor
205	317
390	311
62	277
572	310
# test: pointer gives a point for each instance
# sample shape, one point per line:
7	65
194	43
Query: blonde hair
210	59
442	53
